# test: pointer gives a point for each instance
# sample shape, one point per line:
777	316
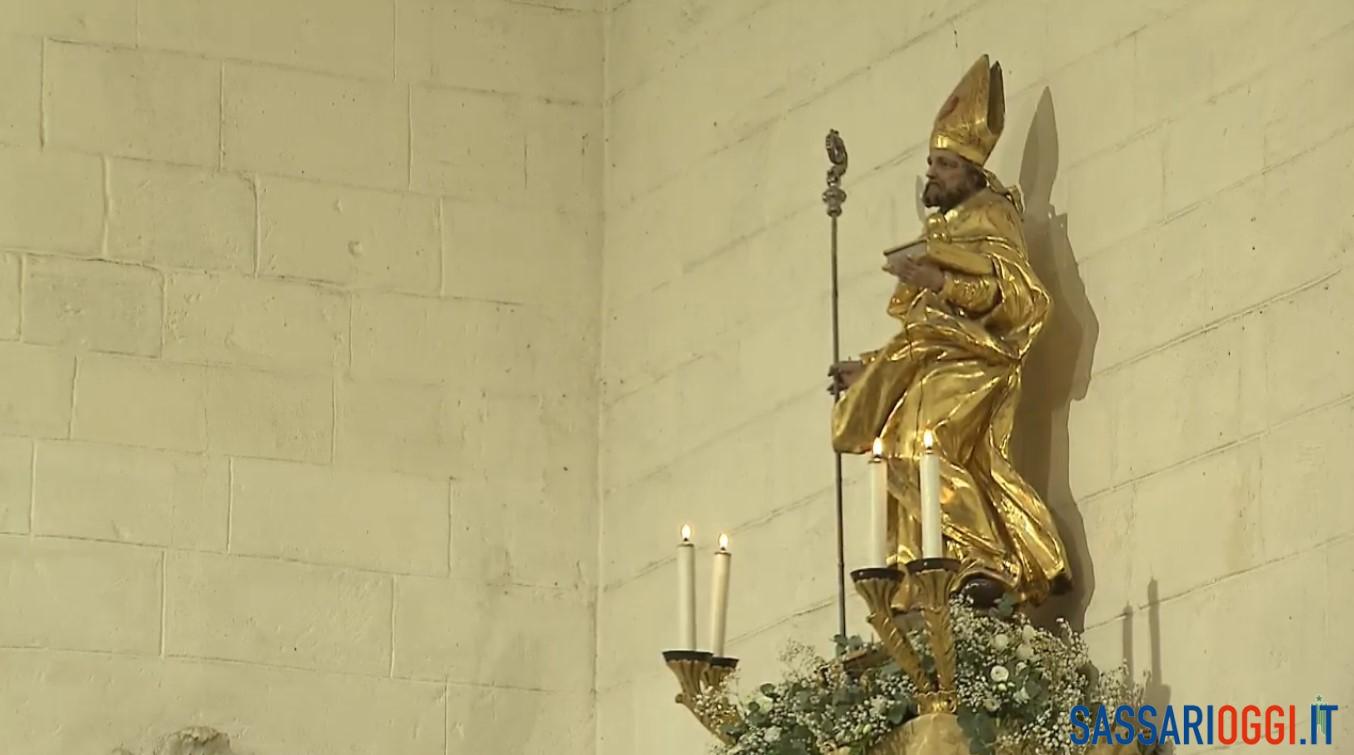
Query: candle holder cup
702	676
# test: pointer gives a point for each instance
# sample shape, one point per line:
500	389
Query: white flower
1020	666
772	734
1021	696
1001	641
991	704
878	706
1024	652
1000	673
1027	632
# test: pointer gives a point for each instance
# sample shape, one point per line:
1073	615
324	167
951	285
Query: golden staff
833	197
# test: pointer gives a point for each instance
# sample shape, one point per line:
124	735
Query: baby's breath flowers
1017	684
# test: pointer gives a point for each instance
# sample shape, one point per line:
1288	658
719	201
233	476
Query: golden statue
970	307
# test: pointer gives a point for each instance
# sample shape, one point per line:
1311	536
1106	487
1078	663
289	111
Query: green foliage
1016	685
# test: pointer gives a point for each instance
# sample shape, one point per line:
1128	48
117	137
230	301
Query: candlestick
686	591
719	597
879	507
932	545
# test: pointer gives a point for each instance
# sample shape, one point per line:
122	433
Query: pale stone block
1015	34
792	569
658	730
1245	39
313	126
276	416
1169	47
1115	195
133	104
140	402
281	614
658	129
372	520
564	147
51	201
1213	147
468	144
405	427
618	710
10	295
635	623
1104	552
276	325
486	146
92	20
349	236
521	254
1216	269
1299	197
1188	641
517	720
467	344
536	638
1207	378
1302	106
180	217
116	589
1303	367
16	484
20	91
503	47
1303	479
646	36
1092	110
92	305
36	398
132	702
131	495
1092	437
1077	29
1218	495
348	38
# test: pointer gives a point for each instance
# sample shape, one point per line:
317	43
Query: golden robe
954	368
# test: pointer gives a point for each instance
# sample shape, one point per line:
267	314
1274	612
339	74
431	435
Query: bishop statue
970	307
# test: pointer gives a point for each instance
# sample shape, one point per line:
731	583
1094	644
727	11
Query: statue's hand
919	274
844	374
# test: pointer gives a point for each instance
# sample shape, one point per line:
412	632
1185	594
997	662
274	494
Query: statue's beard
933	195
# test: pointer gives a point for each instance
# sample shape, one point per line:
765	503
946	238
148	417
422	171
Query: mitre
971	120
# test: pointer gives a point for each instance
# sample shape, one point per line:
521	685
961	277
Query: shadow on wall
1056	373
1058	368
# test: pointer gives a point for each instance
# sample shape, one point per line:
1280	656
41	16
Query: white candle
879	507
686	592
932	546
719	597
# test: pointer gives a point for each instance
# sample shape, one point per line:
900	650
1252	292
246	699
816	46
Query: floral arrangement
1016	687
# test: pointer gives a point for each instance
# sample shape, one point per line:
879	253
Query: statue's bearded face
950	179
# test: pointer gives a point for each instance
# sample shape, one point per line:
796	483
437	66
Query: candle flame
878	447
686	533
723	542
928	439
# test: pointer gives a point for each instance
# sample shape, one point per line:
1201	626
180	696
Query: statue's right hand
844	374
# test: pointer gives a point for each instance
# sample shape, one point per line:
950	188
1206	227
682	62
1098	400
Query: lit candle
686	591
719	597
932	545
879	507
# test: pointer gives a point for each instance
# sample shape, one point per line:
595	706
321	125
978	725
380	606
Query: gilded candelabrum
932	580
701	676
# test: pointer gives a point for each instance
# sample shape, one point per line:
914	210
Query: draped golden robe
954	368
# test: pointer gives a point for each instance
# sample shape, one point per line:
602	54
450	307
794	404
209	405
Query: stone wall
1187	167
298	326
